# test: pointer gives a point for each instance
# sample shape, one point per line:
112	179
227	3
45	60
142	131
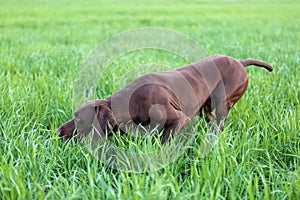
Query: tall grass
42	47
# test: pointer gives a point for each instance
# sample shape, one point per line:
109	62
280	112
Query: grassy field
43	46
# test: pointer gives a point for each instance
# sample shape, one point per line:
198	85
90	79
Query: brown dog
167	99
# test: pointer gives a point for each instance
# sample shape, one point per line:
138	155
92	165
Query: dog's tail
258	63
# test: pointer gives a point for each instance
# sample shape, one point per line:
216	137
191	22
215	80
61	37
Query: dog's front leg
174	125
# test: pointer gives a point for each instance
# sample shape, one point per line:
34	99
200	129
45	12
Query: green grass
44	44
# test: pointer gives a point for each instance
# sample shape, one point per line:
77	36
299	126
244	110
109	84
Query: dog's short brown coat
169	98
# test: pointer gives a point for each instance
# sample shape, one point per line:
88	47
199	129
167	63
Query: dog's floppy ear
105	120
66	131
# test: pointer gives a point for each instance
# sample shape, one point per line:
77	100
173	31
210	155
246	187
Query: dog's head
94	115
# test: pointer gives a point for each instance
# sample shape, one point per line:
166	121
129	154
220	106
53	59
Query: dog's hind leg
220	105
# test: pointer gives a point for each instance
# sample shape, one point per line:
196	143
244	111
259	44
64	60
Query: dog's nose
60	132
